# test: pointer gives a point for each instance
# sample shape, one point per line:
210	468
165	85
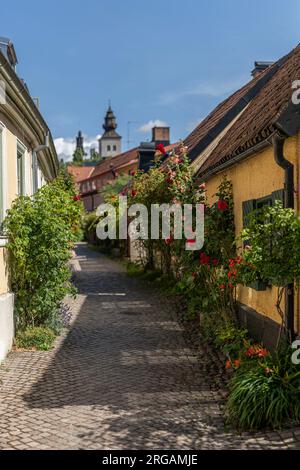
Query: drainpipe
288	167
35	151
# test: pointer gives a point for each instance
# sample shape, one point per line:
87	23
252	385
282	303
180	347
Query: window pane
20	171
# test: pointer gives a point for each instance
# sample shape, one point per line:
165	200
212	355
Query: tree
78	157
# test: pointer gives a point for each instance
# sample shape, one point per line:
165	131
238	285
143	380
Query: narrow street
122	377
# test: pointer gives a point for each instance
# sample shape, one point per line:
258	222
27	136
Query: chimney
8	50
259	67
161	135
146	153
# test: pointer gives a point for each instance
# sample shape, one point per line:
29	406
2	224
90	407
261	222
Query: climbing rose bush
170	181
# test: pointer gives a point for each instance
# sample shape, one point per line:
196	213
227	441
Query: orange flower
250	352
237	362
262	352
227	364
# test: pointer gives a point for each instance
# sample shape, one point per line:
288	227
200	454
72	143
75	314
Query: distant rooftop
8	50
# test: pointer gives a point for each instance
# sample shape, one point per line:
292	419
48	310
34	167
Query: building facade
27	160
253	139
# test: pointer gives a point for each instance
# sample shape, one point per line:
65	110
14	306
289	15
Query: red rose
231	286
222	205
215	262
222	286
232	263
204	259
133	193
76	198
161	149
169	240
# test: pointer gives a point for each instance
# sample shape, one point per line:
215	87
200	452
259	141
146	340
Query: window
35	173
248	208
114	148
108	148
21	169
252	204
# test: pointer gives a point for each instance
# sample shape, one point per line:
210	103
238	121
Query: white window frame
3	173
21	190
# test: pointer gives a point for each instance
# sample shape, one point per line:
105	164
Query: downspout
35	151
288	167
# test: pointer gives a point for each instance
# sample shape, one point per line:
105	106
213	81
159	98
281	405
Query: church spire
79	141
110	123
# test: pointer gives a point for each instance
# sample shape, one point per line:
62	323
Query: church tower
110	141
79	141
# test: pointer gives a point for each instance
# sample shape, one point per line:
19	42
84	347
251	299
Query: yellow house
27	160
253	138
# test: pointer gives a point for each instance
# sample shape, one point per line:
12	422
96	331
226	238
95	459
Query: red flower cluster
133	193
77	197
236	363
222	205
161	149
204	259
256	351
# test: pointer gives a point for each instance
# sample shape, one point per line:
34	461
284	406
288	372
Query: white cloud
150	124
65	146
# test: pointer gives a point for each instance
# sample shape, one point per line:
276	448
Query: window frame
247	208
3	173
21	177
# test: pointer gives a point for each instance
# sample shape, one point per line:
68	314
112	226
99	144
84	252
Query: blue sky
165	60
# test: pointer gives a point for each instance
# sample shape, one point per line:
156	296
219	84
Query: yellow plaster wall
253	178
11	188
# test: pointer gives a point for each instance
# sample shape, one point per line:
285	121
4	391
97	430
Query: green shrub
265	392
89	223
41	231
228	337
37	337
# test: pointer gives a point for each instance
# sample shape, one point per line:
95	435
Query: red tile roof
80	172
120	161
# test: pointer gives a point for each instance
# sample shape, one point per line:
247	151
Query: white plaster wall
6	323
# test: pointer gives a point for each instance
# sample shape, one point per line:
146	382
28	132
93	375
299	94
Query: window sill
3	241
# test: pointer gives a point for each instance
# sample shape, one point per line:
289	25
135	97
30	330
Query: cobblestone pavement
122	377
